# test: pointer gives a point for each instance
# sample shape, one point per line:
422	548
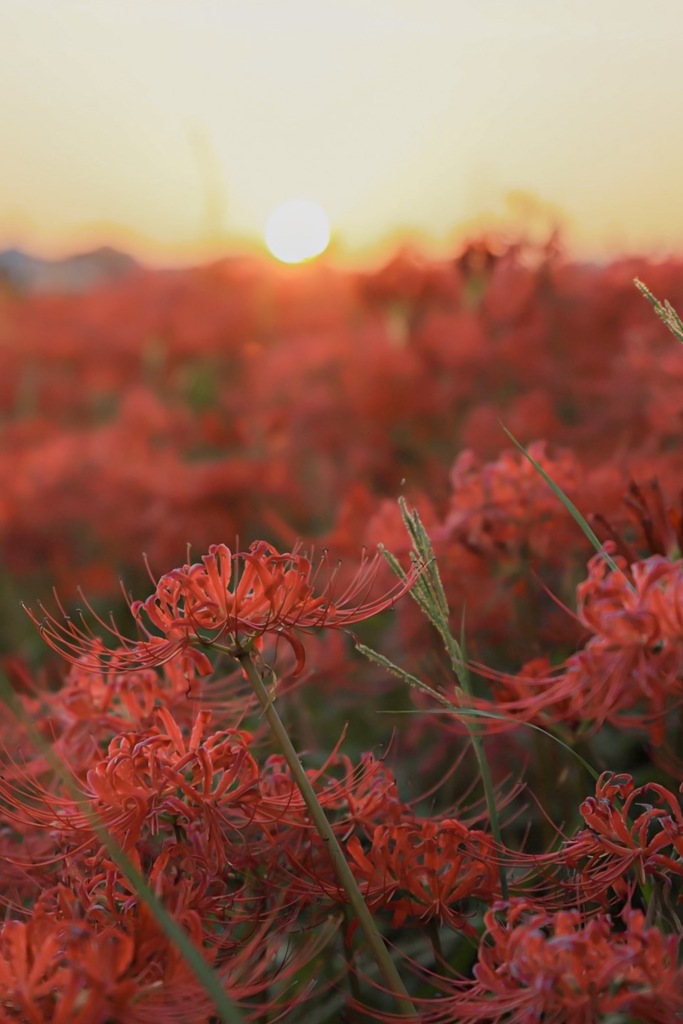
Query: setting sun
297	230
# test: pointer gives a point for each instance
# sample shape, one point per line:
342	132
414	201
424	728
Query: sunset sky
173	127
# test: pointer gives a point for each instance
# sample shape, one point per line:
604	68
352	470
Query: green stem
429	594
344	873
475	739
435	939
458	656
351	974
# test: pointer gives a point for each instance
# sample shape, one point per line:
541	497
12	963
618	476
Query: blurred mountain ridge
79	272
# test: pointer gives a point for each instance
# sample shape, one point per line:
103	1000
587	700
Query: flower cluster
562	969
173	410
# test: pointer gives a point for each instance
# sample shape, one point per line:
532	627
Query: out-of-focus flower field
153	417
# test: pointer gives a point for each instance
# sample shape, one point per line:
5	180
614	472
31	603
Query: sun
297	230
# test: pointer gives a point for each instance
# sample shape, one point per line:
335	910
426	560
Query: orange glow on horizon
427	127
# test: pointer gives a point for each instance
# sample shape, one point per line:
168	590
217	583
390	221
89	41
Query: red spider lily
74	971
83	716
229	902
629	829
426	870
375	800
495	505
127	698
557	968
231	598
629	673
40	980
630	688
145	783
659	522
91	707
192	891
637	619
643	605
354	794
354	801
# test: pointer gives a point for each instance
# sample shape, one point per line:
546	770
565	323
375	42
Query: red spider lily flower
637	618
205	786
630	672
230	598
495	505
536	966
658	521
74	971
40	980
629	688
642	604
427	870
146	781
358	795
355	798
376	799
629	829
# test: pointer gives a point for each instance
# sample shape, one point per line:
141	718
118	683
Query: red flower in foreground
641	604
232	598
631	833
77	971
560	969
428	870
630	671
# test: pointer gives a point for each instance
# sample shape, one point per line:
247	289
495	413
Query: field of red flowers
255	770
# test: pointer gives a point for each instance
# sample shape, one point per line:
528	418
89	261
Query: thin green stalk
344	873
482	761
227	1011
349	957
429	594
435	941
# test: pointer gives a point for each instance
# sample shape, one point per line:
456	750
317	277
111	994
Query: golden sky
173	127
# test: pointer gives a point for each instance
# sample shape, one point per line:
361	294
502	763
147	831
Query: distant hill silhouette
76	273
